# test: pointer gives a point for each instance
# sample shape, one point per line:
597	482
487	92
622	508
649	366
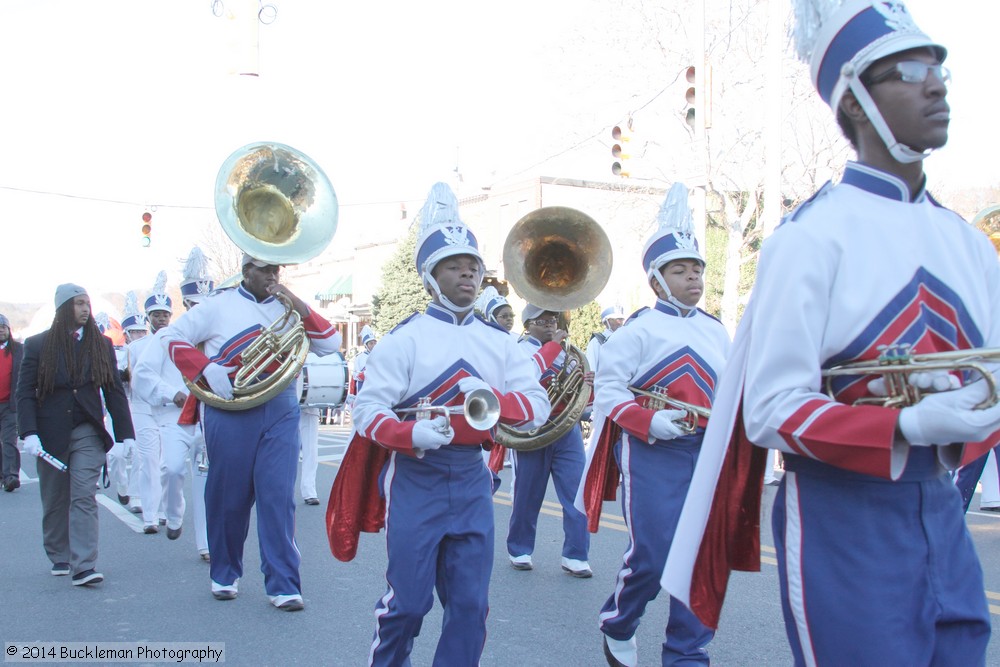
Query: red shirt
6	367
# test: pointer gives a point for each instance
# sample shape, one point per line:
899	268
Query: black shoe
150	529
173	533
312	501
11	483
60	569
123	499
87	577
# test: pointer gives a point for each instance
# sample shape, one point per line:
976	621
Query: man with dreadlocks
63	375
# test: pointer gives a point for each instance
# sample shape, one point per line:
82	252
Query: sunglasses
911	71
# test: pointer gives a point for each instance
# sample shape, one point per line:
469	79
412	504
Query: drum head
323	381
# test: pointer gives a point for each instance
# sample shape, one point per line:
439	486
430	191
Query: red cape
732	534
356	503
602	476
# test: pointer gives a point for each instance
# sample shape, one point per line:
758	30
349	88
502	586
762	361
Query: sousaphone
557	258
276	205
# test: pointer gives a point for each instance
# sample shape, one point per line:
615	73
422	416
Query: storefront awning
340	287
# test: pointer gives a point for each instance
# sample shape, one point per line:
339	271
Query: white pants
180	446
772	456
990	481
146	466
309	441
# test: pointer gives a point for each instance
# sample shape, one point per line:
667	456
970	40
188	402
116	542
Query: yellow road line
616	522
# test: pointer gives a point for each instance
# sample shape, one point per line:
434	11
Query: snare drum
323	381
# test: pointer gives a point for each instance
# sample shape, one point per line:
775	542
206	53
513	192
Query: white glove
128	445
218	380
33	445
925	381
432	433
950	416
469	384
663	427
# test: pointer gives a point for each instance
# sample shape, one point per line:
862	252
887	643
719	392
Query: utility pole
773	200
702	95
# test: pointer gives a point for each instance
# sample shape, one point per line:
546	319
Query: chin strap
671	299
901	152
445	301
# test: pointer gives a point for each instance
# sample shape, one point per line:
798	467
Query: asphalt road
158	590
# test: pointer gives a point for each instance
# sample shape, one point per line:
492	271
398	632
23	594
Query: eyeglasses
548	322
911	71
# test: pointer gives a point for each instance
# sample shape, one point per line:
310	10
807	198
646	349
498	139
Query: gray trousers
8	440
69	503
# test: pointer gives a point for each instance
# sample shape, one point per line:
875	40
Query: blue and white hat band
134	322
670	246
860	33
158	302
196	288
445	240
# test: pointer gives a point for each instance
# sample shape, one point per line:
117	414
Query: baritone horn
276	205
558	259
896	363
659	400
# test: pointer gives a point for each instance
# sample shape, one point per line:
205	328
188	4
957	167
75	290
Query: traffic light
698	98
691	97
621	150
147	227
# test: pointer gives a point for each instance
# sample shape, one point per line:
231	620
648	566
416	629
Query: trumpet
896	363
658	400
481	409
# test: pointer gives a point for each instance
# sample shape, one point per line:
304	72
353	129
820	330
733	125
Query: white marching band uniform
146	462
156	381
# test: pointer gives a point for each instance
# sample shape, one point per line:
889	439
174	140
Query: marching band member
253	453
368	341
158	382
124	476
147	454
436	491
875	561
675	347
612	318
495	308
562	460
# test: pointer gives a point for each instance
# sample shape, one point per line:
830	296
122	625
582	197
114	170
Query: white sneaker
625	653
221	592
577	568
288	602
521	562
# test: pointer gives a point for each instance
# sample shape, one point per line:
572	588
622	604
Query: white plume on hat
442	234
196	282
103	321
158	299
133	319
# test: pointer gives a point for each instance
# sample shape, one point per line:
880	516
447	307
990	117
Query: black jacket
17	350
52	419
